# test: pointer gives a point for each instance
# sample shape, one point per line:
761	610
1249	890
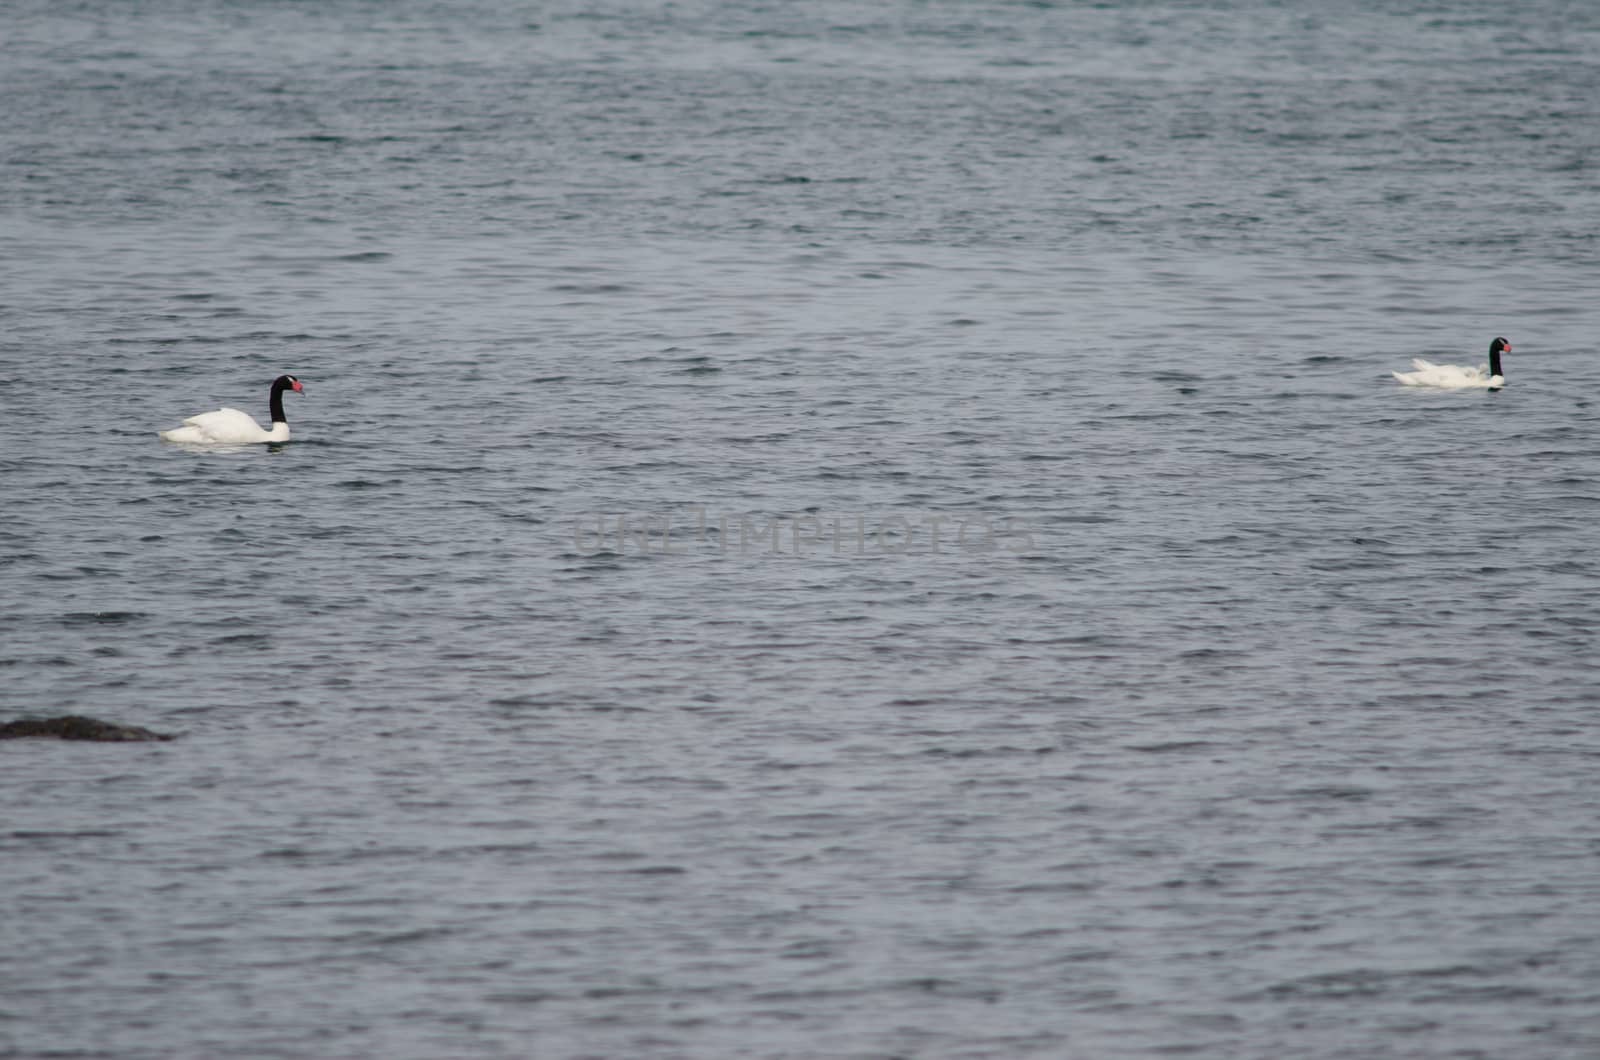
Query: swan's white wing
1418	376
222	420
1445	376
222	427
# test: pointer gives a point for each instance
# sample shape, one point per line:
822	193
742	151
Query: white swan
232	427
1456	377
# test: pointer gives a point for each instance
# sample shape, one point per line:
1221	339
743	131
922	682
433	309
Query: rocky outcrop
77	727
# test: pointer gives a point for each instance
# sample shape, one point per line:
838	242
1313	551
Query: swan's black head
1495	349
279	385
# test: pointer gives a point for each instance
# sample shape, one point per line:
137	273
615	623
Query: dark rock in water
76	727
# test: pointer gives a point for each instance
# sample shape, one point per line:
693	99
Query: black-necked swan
232	427
1456	377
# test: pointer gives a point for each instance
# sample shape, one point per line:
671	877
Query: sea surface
815	529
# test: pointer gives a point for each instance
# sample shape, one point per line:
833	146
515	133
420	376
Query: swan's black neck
277	402
1494	361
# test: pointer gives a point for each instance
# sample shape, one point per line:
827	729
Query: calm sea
815	529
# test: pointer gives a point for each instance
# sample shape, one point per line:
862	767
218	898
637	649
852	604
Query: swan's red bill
298	389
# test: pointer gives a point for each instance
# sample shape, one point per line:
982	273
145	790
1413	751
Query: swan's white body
1449	376
225	427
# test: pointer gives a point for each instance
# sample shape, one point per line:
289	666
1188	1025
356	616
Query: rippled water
814	530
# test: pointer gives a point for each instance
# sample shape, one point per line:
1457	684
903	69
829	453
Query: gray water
833	529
